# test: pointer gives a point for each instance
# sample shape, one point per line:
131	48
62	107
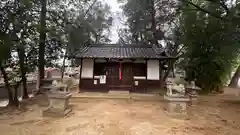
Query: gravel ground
211	115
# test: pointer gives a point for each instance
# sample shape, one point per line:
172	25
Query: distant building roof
121	51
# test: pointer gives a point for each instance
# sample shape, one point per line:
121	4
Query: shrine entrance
119	76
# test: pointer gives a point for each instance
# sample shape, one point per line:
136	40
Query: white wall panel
153	70
87	68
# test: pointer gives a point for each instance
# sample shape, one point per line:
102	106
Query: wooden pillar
160	72
159	67
146	81
80	75
93	85
93	68
132	75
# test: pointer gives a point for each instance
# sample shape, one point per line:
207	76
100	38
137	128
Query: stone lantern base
177	105
58	104
175	108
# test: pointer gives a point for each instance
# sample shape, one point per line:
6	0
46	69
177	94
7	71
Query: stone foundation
177	108
58	105
177	105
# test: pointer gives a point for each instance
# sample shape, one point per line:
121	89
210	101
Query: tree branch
204	10
224	6
90	7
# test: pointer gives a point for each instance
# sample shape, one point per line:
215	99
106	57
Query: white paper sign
136	83
102	79
95	82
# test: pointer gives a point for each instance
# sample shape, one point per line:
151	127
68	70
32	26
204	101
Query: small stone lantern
58	103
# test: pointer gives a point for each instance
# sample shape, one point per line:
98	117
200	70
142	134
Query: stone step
76	98
80	98
147	98
124	92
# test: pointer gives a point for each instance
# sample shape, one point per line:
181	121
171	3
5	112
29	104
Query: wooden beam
80	76
133	60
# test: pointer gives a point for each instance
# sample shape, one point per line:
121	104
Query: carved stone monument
58	103
177	99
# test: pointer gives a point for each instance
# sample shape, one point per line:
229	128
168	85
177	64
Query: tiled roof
119	51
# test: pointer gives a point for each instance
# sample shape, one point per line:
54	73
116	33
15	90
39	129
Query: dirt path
213	115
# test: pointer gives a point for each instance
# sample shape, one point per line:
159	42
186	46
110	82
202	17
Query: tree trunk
135	38
21	55
161	78
153	21
169	69
97	39
141	37
25	91
63	65
7	85
42	39
15	98
235	78
173	72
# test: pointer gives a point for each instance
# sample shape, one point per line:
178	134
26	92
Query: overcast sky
117	14
116	11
